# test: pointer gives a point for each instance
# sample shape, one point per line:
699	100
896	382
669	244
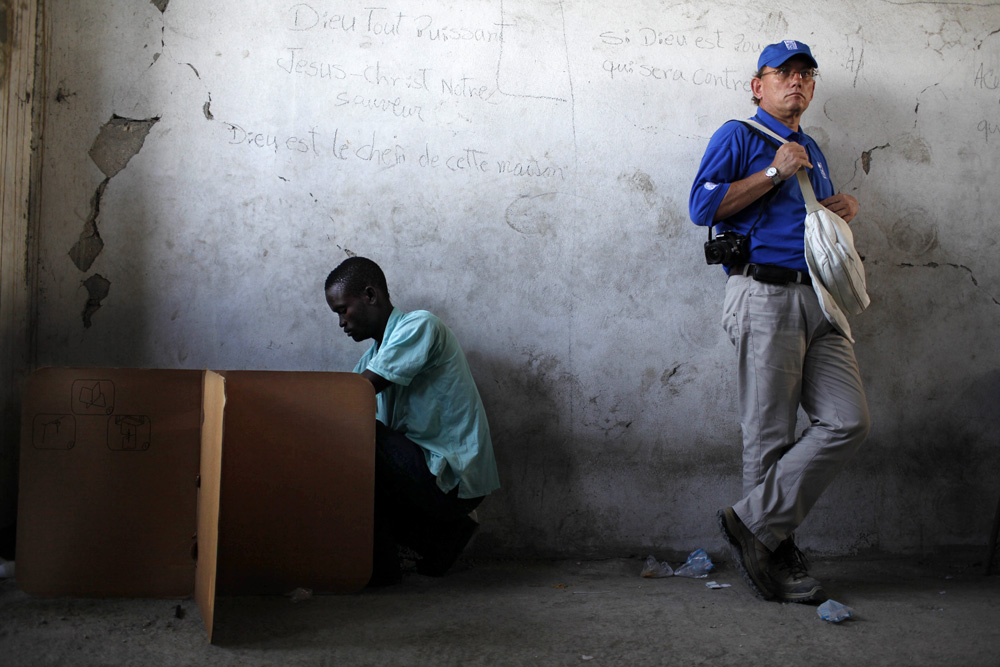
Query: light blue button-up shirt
434	401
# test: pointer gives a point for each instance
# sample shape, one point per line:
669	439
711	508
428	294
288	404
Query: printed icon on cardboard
53	431
93	397
128	433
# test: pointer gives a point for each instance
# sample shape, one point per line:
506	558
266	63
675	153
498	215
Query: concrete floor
489	612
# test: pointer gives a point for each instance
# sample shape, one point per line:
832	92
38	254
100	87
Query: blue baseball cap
776	55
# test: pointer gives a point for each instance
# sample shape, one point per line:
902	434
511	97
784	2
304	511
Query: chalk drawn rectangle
53	431
129	433
93	397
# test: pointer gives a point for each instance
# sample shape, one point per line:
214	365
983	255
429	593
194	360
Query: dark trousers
410	509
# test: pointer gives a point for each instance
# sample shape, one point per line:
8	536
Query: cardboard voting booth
168	483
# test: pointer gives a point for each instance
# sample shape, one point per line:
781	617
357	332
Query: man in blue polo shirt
433	454
788	354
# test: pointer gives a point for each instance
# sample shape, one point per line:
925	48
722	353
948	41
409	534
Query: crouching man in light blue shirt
433	454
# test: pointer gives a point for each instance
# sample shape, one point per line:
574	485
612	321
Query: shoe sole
807	596
737	550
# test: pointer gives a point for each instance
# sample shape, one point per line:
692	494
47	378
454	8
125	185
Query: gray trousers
789	355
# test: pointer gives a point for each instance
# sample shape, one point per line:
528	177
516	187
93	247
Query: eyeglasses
784	73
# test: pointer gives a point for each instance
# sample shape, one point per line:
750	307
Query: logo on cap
791	45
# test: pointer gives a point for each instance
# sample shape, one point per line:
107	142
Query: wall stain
97	290
669	373
947	37
912	234
533	214
63	95
640	181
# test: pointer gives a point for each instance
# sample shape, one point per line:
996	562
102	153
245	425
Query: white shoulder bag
836	270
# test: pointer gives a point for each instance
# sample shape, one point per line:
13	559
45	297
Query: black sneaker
790	574
752	558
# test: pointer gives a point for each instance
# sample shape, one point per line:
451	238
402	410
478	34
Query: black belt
768	273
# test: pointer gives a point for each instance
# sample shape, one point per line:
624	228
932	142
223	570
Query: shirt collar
394	318
777	126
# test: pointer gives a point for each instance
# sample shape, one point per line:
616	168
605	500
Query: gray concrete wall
522	168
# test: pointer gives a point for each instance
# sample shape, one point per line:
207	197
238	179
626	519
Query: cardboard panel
107	504
297	482
210	477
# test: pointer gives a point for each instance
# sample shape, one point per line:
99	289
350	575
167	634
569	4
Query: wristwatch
774	175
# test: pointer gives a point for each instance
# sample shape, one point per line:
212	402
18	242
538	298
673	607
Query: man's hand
845	206
790	158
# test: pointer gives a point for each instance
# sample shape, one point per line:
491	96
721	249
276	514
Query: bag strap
808	194
766	199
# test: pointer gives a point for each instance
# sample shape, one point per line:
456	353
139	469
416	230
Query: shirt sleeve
719	168
407	352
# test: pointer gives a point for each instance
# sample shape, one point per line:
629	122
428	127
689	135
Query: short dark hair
355	274
753	98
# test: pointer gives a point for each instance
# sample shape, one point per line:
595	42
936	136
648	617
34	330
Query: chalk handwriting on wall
988	79
653	49
386	22
386	100
393	78
375	150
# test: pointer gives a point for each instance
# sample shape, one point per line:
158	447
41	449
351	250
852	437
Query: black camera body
727	248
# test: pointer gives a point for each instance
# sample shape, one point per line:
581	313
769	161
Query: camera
727	248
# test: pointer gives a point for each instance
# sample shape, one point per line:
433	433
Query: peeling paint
866	157
97	290
206	108
89	246
160	4
118	142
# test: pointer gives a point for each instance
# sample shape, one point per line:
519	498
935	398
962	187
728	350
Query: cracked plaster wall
206	164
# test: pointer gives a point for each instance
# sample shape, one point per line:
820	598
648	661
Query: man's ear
756	87
370	294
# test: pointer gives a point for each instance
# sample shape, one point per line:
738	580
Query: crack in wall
935	265
118	141
97	290
160	4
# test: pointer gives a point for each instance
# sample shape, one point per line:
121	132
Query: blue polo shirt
434	401
735	152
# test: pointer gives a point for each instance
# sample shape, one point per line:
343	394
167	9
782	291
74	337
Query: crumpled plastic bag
654	569
697	565
300	594
833	611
